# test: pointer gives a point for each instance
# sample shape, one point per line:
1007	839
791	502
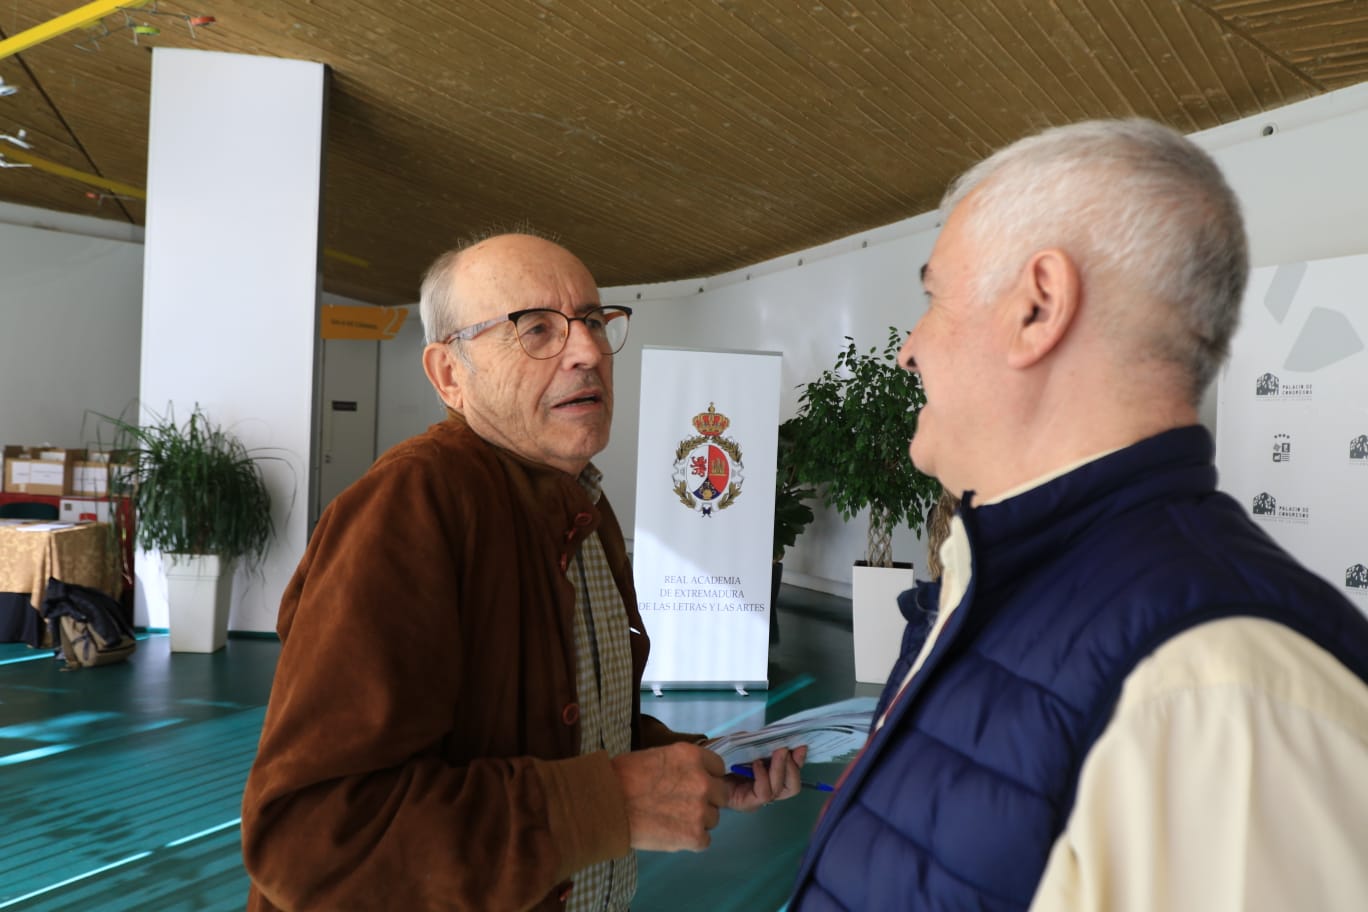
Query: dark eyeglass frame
513	317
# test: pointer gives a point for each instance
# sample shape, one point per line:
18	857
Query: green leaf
851	434
196	488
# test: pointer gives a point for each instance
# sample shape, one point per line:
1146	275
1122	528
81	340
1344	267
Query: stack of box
81	477
40	470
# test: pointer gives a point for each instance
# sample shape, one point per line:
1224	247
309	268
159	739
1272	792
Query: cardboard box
39	470
108	455
74	510
58	454
38	476
7	454
89	479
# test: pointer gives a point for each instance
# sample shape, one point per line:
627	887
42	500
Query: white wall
1304	195
408	405
70	310
230	305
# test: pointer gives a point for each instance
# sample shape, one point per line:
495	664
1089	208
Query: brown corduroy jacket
421	746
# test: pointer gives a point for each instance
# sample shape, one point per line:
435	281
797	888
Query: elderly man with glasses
455	721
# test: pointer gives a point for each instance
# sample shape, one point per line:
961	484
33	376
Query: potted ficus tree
199	499
850	439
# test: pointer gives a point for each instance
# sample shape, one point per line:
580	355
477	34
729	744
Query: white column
231	283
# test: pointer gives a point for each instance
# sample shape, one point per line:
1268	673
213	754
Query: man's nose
580	348
905	359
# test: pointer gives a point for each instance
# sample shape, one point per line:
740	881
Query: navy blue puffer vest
959	797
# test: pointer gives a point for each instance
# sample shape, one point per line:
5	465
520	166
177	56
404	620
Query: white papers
833	733
45	526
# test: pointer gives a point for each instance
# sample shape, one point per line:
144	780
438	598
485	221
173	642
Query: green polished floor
120	786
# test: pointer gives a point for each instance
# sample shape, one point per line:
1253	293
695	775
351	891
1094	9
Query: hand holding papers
743	770
833	733
766	781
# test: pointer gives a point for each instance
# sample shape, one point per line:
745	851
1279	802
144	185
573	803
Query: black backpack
87	626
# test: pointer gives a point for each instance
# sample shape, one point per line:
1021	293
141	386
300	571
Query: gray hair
438	306
1131	201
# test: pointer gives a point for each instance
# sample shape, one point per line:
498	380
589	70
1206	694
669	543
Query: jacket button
569	535
565	894
583	519
564	562
570	714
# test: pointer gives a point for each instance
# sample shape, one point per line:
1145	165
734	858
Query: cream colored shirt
1233	775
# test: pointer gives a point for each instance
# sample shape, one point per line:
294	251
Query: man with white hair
1131	697
455	721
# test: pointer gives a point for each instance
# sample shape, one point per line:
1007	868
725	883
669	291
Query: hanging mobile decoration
17	139
100	30
99	198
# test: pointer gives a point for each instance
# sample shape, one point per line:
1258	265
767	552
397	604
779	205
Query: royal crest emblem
708	468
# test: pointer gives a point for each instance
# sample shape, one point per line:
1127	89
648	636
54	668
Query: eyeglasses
542	332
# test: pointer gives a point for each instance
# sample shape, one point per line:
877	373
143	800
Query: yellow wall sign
350	321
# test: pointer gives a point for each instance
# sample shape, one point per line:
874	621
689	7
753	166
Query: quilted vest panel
959	797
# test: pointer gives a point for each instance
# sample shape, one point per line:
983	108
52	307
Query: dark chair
26	509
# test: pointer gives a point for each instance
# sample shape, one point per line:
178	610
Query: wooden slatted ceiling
664	139
1325	39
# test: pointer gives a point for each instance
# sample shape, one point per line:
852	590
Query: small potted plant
850	439
200	499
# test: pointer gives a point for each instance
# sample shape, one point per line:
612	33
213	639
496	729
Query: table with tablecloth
80	554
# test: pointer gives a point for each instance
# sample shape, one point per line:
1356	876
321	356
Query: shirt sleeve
1229	778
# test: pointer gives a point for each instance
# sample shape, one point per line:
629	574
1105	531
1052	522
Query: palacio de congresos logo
1266	507
1267	386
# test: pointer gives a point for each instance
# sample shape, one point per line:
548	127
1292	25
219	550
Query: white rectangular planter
878	623
198	595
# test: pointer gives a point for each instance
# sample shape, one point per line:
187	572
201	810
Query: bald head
554	409
494	269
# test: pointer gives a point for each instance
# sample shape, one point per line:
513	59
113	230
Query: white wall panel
70	310
230	307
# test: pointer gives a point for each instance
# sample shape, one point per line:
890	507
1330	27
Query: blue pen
741	769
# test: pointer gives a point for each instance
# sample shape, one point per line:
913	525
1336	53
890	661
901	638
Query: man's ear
1045	308
444	373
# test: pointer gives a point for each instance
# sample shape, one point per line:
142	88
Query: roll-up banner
704	537
1292	415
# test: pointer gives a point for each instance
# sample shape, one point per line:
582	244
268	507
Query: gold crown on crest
710	423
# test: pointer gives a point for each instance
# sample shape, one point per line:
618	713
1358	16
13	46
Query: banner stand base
743	688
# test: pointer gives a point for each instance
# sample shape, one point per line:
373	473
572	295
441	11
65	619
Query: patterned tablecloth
78	554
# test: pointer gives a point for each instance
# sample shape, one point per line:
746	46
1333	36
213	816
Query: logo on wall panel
1358	448
1267	386
707	467
1356	577
1266	507
1282	448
